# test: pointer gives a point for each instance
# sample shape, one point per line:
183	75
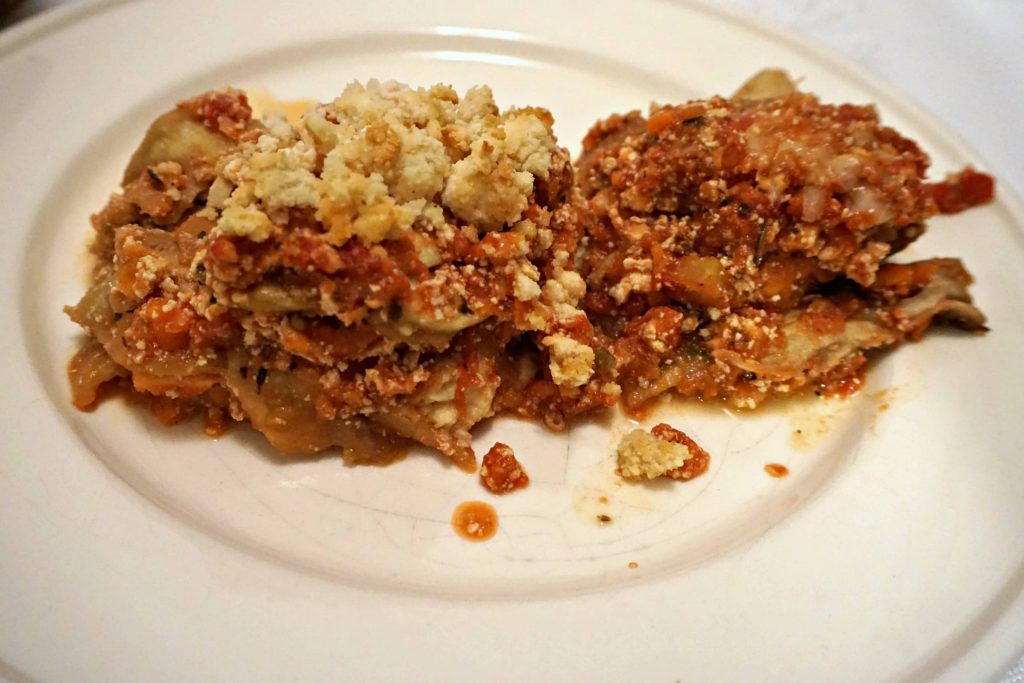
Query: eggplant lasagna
399	264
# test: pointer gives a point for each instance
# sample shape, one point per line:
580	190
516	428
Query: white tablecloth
962	60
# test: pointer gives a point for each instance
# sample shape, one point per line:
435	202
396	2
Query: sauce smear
475	521
776	470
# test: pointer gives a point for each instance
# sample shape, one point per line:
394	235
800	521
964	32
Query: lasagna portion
397	265
737	248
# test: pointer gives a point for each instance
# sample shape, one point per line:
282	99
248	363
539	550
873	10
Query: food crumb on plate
501	472
663	452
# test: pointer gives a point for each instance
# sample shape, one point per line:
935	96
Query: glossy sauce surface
475	521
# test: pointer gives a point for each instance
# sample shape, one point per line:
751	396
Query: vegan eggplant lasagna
737	248
399	264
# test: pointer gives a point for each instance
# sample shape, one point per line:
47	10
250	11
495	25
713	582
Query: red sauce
845	381
776	470
500	472
475	521
225	112
696	465
963	190
216	422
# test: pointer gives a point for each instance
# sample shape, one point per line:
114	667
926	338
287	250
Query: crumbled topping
245	221
393	155
485	188
643	456
572	363
526	287
637	278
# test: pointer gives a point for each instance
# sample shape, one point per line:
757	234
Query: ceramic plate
893	551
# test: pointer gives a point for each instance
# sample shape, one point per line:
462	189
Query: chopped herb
725	202
117	316
692	348
604	360
261	378
743	210
202	234
243	371
201	272
158	182
758	254
694	121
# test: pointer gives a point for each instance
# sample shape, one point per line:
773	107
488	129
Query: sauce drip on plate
475	521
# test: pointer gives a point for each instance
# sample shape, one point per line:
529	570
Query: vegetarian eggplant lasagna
398	265
736	248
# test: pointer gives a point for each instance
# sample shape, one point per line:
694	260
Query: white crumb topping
486	189
652	335
525	286
528	141
644	456
245	221
563	293
637	279
573	286
390	156
274	172
572	363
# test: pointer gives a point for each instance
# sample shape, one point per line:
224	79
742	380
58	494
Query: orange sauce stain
263	103
475	521
776	470
883	399
633	565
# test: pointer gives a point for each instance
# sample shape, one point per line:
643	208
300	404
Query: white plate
894	551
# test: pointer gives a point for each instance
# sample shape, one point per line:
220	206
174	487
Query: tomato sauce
500	472
475	521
